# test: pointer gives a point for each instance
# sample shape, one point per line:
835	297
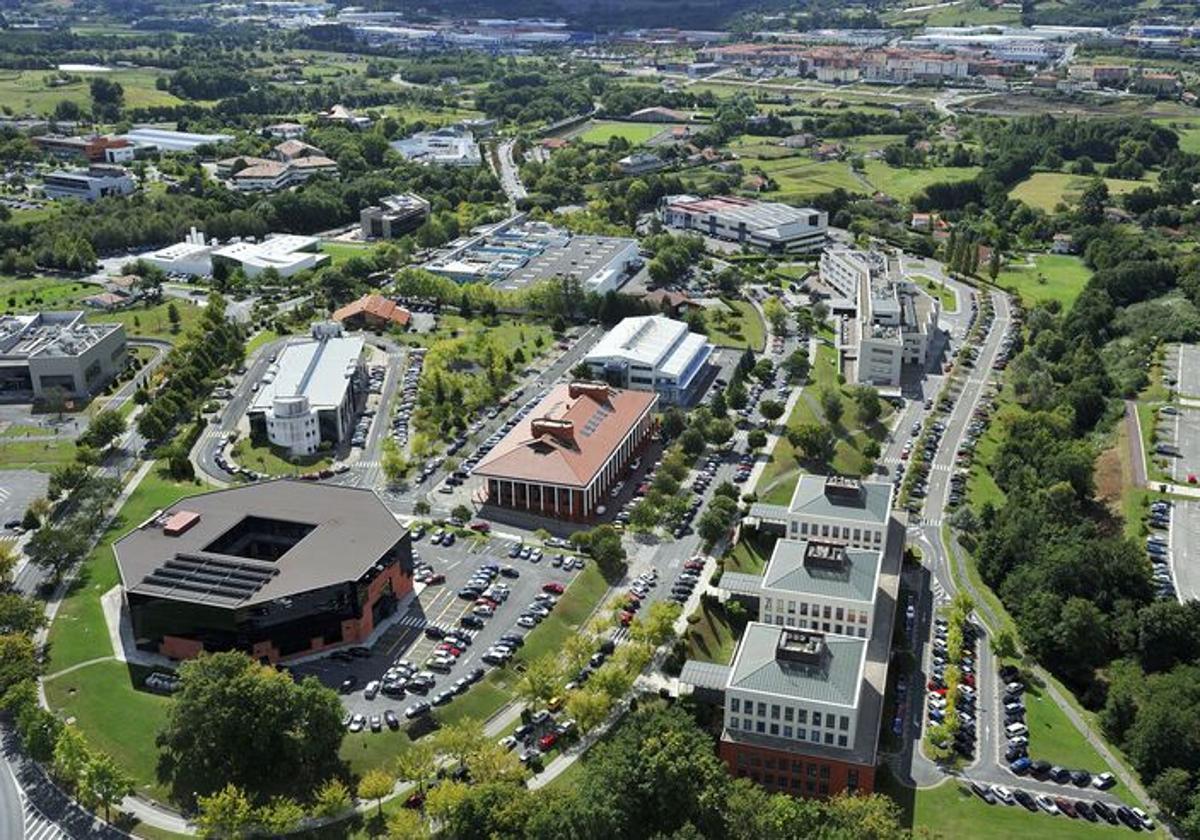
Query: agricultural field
27	91
1046	190
903	184
599	133
1056	277
801	177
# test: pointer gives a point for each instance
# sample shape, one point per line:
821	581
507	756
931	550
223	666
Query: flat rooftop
318	369
50	334
257	543
814	568
755	214
803	665
644	340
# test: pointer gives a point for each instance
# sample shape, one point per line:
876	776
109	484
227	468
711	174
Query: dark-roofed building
277	570
573	446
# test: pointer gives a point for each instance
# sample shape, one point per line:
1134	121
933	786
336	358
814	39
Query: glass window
824	771
844	723
787	731
762	709
735	705
733	723
774	730
804	609
852	780
816	719
841	740
829	738
774	711
825	611
812	771
857	534
791	606
802	716
747	724
767	604
760	727
788	713
839	614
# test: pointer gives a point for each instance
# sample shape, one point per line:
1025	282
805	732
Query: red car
438	578
969	679
547	741
626	618
634	595
553	586
481	527
940	691
694	565
446	647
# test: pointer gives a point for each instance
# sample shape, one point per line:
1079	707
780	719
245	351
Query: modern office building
277	570
814	585
562	459
195	257
448	146
49	353
92	184
846	510
95	148
310	392
516	253
394	215
766	225
652	353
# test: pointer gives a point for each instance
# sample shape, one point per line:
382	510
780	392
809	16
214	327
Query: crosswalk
940	596
37	826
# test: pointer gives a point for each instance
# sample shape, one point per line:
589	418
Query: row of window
824	611
798	733
787	713
783	783
823	626
855	536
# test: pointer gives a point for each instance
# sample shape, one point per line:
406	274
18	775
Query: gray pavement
1185	549
1183	365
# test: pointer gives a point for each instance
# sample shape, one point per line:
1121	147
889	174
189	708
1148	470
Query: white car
1002	794
1147	823
1047	804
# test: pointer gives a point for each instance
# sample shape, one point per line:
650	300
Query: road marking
37	826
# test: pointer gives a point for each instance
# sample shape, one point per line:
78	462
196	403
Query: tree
173	316
673	423
692	441
1172	789
994	265
393	463
421	507
543	679
416	765
56	549
226	814
333	798
71	757
104	783
719	432
1004	644
407	824
776	315
868	406
717	519
657	626
459	740
298	730
105	427
588	707
376	784
604	544
66	477
18	661
19	614
491	763
814	440
1092	202
461	512
831	405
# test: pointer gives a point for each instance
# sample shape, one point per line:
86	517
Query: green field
799	177
39	455
26	91
598	133
152	321
945	295
711	639
273	460
1046	190
903	184
743	328
20	295
339	252
1189	139
1058	277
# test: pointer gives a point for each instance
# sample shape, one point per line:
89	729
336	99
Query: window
844	723
824	530
747	724
803	527
816	719
824	771
774	711
735	704
790	622
791	607
839	614
787	731
812	771
825	611
760	727
788	713
774	730
733	723
852	780
804	609
857	534
810	787
762	709
823	789
829	738
793	529
841	740
802	716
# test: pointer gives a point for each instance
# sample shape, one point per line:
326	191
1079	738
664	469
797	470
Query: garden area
1045	277
740	326
275	460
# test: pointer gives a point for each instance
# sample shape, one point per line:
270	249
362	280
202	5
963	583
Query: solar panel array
595	420
213	578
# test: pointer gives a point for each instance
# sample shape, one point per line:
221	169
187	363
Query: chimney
564	430
596	390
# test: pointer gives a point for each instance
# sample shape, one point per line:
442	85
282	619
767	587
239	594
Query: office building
92	184
276	570
311	392
95	148
394	215
562	459
845	510
449	146
166	140
765	225
45	354
652	353
640	163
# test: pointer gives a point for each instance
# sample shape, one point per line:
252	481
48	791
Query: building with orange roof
372	312
565	456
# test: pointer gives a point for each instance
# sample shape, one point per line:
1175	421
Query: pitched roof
377	306
297	148
834	678
569	435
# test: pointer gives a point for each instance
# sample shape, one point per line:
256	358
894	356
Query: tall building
394	215
766	225
310	393
802	697
49	353
277	570
652	353
561	460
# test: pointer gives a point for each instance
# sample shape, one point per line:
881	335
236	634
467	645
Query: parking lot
19	488
439	604
1177	525
1181	368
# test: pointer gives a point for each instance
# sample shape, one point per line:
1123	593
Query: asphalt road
1183	361
510	178
12	808
1185	549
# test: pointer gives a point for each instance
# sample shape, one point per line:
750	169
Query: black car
443	697
1084	810
513	639
1060	774
417	709
475	676
1104	812
393	722
1125	815
348	685
472	621
523	731
467	593
1025	799
1040	768
435	632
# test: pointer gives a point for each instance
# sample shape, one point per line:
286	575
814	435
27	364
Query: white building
89	184
309	394
766	225
167	140
652	353
845	510
194	257
449	146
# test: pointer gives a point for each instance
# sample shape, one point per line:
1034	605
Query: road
510	177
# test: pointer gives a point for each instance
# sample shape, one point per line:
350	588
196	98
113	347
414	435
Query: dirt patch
1110	478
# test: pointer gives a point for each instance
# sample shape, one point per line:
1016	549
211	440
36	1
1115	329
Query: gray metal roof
787	571
740	583
351	530
811	499
756	667
704	674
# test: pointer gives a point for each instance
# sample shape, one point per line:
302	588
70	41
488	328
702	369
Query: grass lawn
260	338
744	327
36	454
26	90
340	252
1046	190
750	555
799	177
115	717
1189	139
711	639
948	811
79	632
23	430
1064	278
20	295
273	460
904	183
152	321
600	132
944	295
